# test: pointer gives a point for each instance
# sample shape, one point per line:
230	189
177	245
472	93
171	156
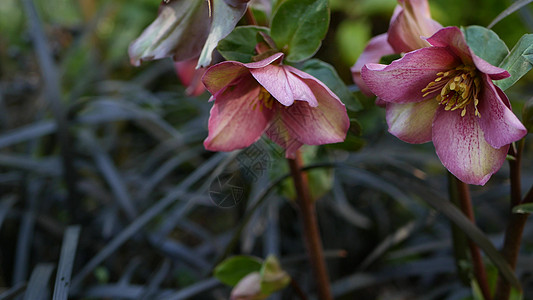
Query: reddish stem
517	222
310	228
479	268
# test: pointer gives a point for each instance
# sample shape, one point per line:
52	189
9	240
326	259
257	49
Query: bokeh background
91	143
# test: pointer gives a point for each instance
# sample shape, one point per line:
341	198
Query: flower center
264	99
458	88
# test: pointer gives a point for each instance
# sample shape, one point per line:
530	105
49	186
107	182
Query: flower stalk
479	268
310	227
517	222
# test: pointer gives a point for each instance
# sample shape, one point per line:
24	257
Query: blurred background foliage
140	191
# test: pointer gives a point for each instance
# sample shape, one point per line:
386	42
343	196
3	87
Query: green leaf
517	63
528	54
327	74
233	269
486	44
298	27
240	44
523	208
273	277
224	19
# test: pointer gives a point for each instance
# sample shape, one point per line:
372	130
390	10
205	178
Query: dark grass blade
66	262
156	281
511	9
27	133
192	290
38	285
179	192
47	167
5	206
25	237
111	175
14	292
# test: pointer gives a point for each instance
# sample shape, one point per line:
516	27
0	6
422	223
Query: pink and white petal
190	76
317	87
277	131
499	123
325	124
219	76
452	38
235	122
404	34
376	48
283	85
265	62
462	148
494	73
411	122
403	80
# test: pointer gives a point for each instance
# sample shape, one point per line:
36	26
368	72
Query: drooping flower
292	107
190	76
410	22
185	29
444	93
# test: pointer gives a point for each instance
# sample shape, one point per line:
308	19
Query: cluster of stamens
458	88
264	99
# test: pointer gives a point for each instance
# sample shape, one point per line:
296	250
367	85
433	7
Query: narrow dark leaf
5	206
38	285
177	193
66	262
156	280
511	9
27	133
111	174
192	290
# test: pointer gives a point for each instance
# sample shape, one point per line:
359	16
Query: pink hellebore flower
190	77
411	21
445	94
291	106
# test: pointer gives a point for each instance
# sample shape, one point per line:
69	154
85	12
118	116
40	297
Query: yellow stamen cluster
458	88
264	99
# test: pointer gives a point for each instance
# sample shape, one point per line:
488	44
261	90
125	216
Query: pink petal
377	47
410	22
462	149
190	76
234	122
403	80
327	123
453	39
265	62
500	125
217	77
277	131
411	122
494	73
283	85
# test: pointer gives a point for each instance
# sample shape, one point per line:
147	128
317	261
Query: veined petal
377	47
237	120
283	85
411	122
499	123
217	77
265	62
325	124
452	38
403	80
462	148
278	132
494	73
411	21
